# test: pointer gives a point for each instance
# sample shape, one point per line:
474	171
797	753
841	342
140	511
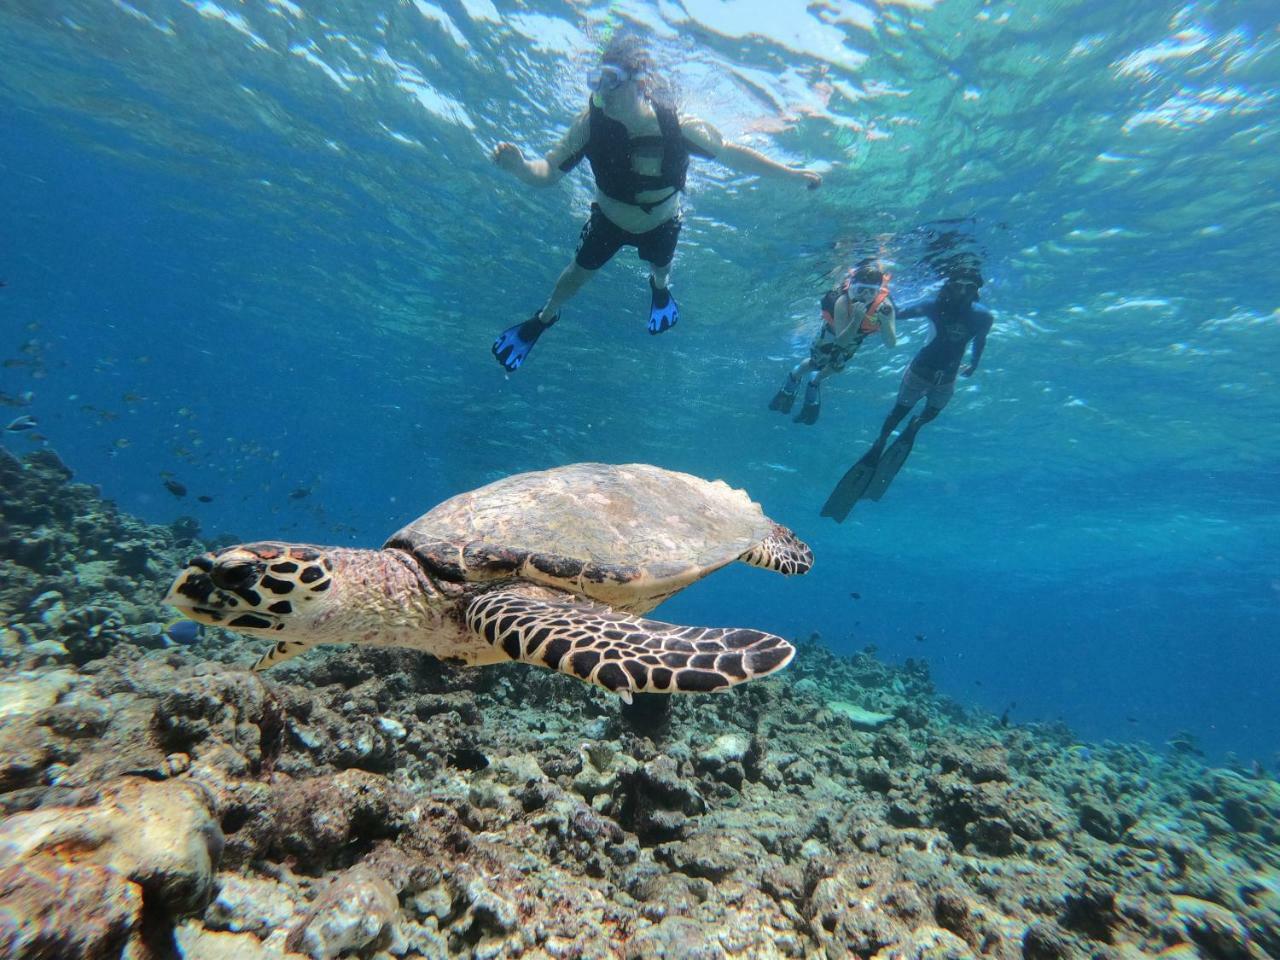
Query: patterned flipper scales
622	653
782	551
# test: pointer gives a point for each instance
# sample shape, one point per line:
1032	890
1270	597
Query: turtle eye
235	575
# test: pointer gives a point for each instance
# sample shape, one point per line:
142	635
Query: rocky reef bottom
159	801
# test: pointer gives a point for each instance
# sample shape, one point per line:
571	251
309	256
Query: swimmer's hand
812	180
508	157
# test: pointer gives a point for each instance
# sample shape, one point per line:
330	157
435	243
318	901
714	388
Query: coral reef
161	801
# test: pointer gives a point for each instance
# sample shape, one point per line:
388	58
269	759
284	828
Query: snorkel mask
962	289
865	292
607	77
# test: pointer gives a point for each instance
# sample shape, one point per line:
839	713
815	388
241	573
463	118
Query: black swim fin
514	343
663	312
784	399
812	405
892	461
852	485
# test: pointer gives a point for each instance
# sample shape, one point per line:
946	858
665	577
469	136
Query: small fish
122	443
856	596
183	631
174	487
24	422
921	638
300	494
205	498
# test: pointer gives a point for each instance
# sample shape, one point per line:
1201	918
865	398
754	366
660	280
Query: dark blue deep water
258	247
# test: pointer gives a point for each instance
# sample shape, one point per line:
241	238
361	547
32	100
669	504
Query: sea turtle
551	568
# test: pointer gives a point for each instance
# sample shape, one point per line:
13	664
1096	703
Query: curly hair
628	51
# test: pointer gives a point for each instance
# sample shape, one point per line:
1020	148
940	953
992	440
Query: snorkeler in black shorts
639	150
957	320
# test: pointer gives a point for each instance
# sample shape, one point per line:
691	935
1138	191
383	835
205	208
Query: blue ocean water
258	248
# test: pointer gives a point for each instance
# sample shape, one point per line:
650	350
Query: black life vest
610	149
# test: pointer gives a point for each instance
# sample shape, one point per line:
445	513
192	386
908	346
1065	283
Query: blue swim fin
514	343
663	312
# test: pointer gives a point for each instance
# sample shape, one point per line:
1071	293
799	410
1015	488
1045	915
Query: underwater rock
658	801
713	855
675	938
256	905
223	708
194	942
1211	927
928	943
724	759
1042	942
133	559
78	877
333	819
484	911
50	908
26	747
355	913
860	907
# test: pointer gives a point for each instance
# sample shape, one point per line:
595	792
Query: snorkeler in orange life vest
958	320
851	312
638	147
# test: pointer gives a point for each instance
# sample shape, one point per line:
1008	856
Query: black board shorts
601	238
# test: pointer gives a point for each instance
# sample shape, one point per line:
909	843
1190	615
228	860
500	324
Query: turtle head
260	589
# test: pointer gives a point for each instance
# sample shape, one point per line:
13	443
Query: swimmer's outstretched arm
745	160
548	170
707	141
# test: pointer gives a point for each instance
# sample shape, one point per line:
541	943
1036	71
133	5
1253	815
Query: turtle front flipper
622	653
782	551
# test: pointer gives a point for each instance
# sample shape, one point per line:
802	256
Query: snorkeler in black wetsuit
957	319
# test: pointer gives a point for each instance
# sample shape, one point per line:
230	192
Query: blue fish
183	631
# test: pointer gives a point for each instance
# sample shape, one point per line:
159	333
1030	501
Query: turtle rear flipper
781	551
622	653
